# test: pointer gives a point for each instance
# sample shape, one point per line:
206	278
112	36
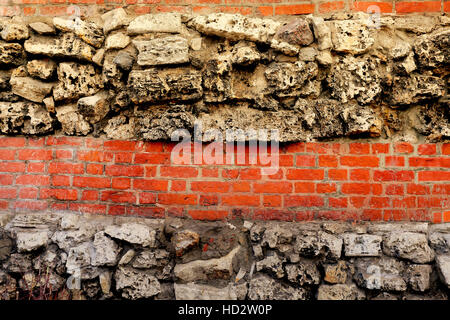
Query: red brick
378	148
323	148
7	154
178	185
124	157
394	215
384	7
178	172
429	162
437	188
118	196
250	174
360	161
446	146
337	174
403	147
358	202
124	170
304	187
326	188
119	145
36	142
265	10
88	208
404	202
394	161
426	149
294	147
306	161
89	195
95	156
153	147
241	186
331	6
359	148
434	176
152	158
210	173
121	183
409	7
36	167
387	175
64	154
303	201
273	187
328	161
241	200
272	201
35	180
117	210
395	189
379	202
35	154
338	202
6	179
152	185
273	214
356	188
432	202
208	200
28	193
152	212
417	189
346	215
305	174
208	214
59	194
28	205
210	186
91	182
446	214
4	204
230	173
174	198
12	142
95	169
360	175
147	198
294	9
62	167
60	181
64	141
150	171
372	215
8	193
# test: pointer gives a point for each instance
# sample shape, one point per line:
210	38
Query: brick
91	182
403	147
446	149
356	188
404	202
174	198
323	148
118	196
326	188
394	215
294	147
437	188
147	198
153	146
89	195
328	161
305	174
326	7
64	141
4	204
434	175
117	210
388	175
150	171
303	201
8	193
119	145
210	186
12	142
210	173
294	9
6	179
432	202
346	215
337	174
338	202
378	148
152	185
34	154
63	154
152	212
36	167
395	161
60	181
59	194
304	187
429	162
395	189
124	170
306	161
250	174
123	157
62	167
241	200
409	7
379	202
265	10
384	7
360	175
28	193
359	148
178	172
35	180
95	169
28	205
120	183
417	189
273	187
151	158
7	154
208	214
426	149
88	208
208	200
272	201
230	173
273	214
359	161
241	186
178	185
372	215
95	156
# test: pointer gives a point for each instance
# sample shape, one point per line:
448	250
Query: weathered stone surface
433	50
94	108
42	28
322	32
18	263
68	46
443	265
114	19
121	128
42	69
408	90
351	36
340	292
30	89
303	273
440	242
127	257
432	121
27	118
11	54
153	86
220	268
159	22
419	277
105	282
14	30
117	41
263	287
313	244
245	54
133	233
70	238
88	31
32	240
236	27
184	241
336	273
273	264
380	274
355	78
296	32
136	284
76	80
72	121
194	291
356	245
408	245
124	60
79	261
5	246
161	51
105	251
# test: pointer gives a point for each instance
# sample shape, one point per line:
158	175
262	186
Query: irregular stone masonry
107	257
336	181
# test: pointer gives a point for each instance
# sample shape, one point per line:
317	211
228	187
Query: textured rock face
408	245
105	257
308	77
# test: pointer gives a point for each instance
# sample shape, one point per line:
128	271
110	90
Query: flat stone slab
159	22
168	50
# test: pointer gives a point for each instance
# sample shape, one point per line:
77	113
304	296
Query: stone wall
96	257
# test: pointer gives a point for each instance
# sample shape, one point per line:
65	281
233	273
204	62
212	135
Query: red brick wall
249	7
342	181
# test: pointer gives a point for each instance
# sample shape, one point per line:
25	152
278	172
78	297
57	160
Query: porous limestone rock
14	30
135	233
11	54
296	32
273	264
30	89
117	40
408	245
152	85
94	108
313	244
162	51
88	31
114	19
443	265
322	32
356	245
169	22
336	273
79	260
303	273
121	128
263	287
124	60
380	274
66	46
42	69
340	292
433	50
419	276
409	90
76	80
136	284
245	54
185	240
72	121
220	268
105	251
31	240
196	291
351	36
66	239
42	28
24	117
